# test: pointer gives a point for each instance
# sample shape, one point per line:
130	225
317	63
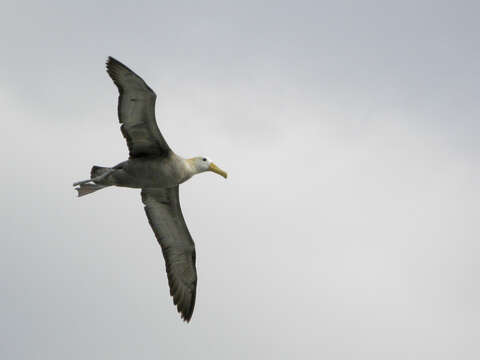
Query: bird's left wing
136	112
165	217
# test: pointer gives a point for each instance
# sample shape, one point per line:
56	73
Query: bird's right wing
165	217
136	112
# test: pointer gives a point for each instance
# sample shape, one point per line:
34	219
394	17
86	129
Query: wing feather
164	214
136	112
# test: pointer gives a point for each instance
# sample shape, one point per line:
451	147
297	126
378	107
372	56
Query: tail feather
85	189
98	170
89	186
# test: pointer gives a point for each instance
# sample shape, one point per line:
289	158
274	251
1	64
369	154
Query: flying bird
153	167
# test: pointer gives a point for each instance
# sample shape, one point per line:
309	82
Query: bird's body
150	172
153	167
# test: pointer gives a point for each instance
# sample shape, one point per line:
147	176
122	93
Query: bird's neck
191	168
183	168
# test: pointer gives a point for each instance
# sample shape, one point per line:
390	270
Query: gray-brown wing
136	112
165	217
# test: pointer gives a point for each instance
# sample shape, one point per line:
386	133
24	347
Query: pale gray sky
348	227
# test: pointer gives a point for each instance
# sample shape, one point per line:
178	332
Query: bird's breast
157	172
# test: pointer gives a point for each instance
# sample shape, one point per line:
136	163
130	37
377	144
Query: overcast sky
348	227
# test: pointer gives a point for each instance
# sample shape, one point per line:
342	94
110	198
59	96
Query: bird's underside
152	166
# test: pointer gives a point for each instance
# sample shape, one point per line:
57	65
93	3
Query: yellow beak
217	170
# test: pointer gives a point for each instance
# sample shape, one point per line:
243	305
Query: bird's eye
204	159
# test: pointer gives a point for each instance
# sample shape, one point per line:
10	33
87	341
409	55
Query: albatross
155	169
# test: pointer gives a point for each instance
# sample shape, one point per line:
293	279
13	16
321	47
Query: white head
201	164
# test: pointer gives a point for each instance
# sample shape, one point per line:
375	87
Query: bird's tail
88	188
98	171
91	185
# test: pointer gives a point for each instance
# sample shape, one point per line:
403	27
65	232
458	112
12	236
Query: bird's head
202	164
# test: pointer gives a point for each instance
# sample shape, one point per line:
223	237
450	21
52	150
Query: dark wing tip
183	298
120	72
187	311
113	64
114	68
